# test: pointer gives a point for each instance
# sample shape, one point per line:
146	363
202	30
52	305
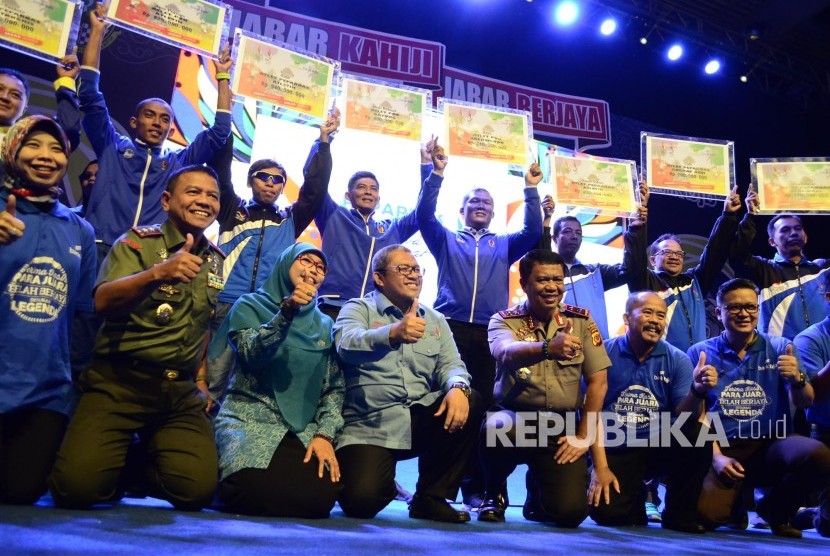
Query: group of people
268	377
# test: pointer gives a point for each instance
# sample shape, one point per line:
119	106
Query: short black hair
538	256
264	163
557	225
735	284
655	245
174	178
782	216
359	175
88	164
20	77
141	104
470	194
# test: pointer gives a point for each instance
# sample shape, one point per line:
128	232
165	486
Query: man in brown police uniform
156	290
543	352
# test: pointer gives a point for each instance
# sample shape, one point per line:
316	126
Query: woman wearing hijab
47	272
276	429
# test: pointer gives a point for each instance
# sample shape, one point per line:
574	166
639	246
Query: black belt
147	367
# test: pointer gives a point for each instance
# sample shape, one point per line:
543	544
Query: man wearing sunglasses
253	232
683	291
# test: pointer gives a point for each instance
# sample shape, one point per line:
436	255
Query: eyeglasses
405	270
750	308
308	262
276	179
672	253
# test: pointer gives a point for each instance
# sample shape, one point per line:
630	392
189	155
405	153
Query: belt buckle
171	374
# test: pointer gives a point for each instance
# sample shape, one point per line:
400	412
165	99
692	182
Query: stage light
675	52
608	26
644	40
712	66
566	13
743	78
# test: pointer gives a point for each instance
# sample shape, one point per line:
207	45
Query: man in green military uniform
543	352
156	290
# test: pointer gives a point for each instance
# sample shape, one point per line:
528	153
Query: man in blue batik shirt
407	395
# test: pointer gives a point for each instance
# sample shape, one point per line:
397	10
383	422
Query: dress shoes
682	525
779	528
435	509
492	509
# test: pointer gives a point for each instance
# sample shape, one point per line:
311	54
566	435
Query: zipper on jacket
475	284
368	265
256	257
141	187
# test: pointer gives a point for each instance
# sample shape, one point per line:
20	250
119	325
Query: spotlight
675	52
644	40
566	13
712	66
608	26
743	78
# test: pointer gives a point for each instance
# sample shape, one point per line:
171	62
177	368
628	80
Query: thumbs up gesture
565	345
788	366
11	228
410	328
182	267
704	377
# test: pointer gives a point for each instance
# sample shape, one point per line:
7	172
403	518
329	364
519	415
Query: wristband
220	75
200	378
67	82
324	437
545	353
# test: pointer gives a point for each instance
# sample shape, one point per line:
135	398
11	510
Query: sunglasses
276	179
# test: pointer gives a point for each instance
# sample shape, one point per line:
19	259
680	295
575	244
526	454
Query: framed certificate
688	166
384	108
45	29
799	185
281	75
486	132
604	185
200	26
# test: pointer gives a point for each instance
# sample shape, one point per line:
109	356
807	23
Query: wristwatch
802	381
466	390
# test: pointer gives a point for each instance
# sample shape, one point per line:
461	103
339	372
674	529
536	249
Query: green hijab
296	368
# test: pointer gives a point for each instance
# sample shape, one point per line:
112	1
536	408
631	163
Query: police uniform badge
523	374
596	337
164	313
162	254
215	278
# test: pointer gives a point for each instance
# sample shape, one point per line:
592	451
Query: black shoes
682	525
435	509
492	509
779	528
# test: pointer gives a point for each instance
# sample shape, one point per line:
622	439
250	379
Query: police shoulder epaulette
147	231
577	311
513	312
216	248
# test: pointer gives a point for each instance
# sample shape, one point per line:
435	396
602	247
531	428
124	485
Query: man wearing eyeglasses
407	395
791	285
683	291
760	377
254	232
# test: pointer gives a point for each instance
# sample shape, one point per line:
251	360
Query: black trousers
369	471
286	488
556	493
29	441
474	349
683	467
790	467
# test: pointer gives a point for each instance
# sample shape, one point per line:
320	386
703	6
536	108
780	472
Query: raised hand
533	175
332	123
69	66
11	228
439	158
733	201
98	17
182	267
753	205
410	328
644	192
426	150
565	345
548	205
224	62
704	377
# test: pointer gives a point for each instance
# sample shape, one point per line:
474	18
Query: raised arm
66	96
527	238
716	252
316	175
432	230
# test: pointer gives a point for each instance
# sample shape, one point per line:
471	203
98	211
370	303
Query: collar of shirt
476	233
758	344
384	306
254	205
157	150
357	214
174	239
659	348
779	259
